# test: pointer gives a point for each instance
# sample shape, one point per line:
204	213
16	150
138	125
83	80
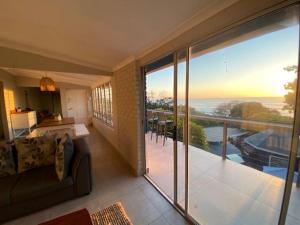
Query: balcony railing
225	121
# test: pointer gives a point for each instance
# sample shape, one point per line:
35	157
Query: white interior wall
31	82
9	100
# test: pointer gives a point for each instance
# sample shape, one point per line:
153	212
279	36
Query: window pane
241	103
93	100
99	102
96	102
111	108
158	135
107	103
102	103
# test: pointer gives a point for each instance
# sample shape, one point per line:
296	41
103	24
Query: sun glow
9	101
252	68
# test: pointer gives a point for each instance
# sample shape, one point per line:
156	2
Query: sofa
40	188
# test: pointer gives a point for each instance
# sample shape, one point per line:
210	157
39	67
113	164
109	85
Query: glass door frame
295	133
175	162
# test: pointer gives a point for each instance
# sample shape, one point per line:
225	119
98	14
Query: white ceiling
98	33
71	78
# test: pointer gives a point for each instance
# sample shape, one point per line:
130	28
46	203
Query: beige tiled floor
113	182
220	192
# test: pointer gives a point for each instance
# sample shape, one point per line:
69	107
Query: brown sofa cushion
6	185
38	182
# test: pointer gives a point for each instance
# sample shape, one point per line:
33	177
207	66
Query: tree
258	112
160	104
224	109
248	110
290	97
196	132
197	136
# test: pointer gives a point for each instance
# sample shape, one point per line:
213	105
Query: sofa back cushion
36	152
7	165
63	156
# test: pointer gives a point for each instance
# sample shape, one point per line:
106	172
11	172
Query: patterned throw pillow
36	152
7	165
63	156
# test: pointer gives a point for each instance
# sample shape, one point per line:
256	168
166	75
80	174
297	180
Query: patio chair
163	126
152	121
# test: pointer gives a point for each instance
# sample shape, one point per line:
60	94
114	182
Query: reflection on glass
159	129
241	103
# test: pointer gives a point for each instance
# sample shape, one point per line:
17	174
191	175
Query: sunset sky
252	68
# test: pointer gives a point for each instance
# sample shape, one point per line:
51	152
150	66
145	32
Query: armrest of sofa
81	168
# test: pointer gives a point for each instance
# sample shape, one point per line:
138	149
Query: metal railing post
224	143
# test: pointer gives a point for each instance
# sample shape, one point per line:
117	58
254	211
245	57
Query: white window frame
102	103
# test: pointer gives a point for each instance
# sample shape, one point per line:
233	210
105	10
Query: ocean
209	105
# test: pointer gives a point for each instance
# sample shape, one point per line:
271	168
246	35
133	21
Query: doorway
164	130
77	105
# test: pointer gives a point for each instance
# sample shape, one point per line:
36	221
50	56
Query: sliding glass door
165	91
223	122
159	83
241	101
181	138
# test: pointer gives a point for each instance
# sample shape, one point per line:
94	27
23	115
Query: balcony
220	191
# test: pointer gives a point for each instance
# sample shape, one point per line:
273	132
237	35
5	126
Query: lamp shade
47	84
